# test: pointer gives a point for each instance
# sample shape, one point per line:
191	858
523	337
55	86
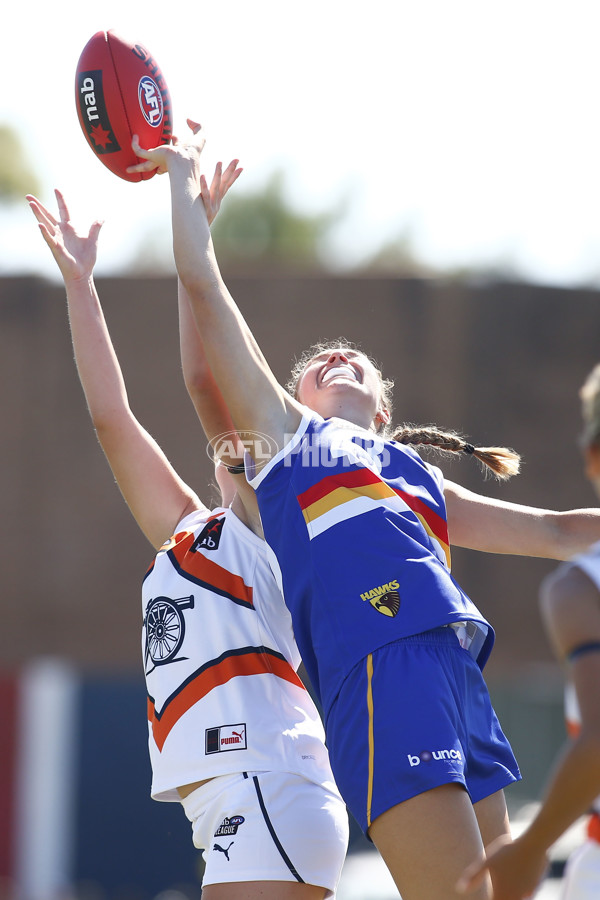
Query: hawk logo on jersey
385	598
165	629
209	537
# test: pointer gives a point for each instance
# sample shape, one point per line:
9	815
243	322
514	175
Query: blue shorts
411	716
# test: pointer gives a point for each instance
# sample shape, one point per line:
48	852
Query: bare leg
263	890
427	842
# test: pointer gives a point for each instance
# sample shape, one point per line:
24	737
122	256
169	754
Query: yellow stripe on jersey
371	737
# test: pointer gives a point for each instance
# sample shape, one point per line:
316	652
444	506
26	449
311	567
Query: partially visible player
570	605
233	733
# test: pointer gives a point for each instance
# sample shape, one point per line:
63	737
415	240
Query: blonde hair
502	462
590	407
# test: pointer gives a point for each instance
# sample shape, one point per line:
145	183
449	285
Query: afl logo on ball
150	100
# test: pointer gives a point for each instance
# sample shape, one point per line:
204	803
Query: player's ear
382	417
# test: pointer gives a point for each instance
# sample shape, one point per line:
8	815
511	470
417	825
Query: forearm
97	364
573	787
478	522
250	391
573	531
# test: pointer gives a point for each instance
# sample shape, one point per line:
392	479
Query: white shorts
269	826
582	873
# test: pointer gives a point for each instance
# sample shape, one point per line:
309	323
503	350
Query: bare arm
212	411
571	610
251	392
495	526
204	392
156	495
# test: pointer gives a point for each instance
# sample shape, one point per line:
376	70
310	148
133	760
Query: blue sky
471	125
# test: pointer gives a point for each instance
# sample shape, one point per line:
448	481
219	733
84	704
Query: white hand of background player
75	254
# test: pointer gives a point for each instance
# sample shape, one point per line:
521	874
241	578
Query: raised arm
204	392
496	526
156	495
255	399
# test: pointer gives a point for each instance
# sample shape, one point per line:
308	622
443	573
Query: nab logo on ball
93	115
150	101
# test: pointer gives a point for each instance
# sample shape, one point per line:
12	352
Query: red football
120	91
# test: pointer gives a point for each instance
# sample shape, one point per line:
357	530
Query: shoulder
196	516
570	606
577	576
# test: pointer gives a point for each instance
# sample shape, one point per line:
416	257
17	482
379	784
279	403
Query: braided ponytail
501	461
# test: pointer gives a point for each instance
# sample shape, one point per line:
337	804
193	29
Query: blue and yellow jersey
358	535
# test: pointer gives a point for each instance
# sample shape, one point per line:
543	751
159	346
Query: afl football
120	91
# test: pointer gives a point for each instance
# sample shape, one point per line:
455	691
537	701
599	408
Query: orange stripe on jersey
593	828
197	567
353	479
573	728
341	495
246	661
345	486
436	524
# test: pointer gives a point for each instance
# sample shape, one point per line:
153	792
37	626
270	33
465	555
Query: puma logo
223	849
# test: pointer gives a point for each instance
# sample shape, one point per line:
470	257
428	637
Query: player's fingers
62	206
49	237
231	174
137	149
95	229
471	878
196	127
216	179
40	211
142	167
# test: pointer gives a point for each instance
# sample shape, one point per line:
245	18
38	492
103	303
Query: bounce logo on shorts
385	598
428	755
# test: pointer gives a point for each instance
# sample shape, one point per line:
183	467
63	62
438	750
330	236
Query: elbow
109	423
198	381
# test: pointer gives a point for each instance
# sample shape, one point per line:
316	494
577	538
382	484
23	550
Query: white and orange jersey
220	662
573	723
588	562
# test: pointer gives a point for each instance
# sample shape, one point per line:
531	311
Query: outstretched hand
158	159
516	870
75	254
220	184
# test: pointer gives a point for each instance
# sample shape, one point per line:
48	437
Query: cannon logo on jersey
210	536
164	626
